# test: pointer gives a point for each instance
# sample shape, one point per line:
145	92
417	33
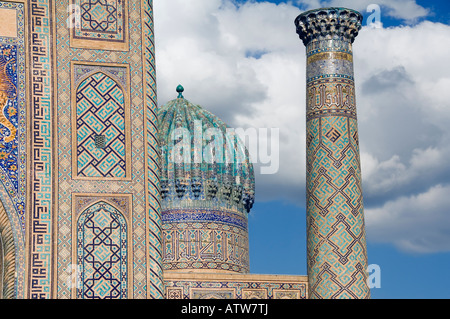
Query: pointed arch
7	256
102	252
101	123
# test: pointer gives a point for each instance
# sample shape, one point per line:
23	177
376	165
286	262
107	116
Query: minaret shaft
336	244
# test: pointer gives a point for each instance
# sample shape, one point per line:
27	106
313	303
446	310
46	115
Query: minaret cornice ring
327	24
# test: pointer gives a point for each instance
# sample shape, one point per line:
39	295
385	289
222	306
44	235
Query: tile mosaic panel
101	134
102	249
99	24
42	161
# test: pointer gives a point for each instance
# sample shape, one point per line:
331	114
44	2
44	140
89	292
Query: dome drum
196	239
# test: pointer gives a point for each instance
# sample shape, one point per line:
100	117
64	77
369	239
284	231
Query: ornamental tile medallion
99	24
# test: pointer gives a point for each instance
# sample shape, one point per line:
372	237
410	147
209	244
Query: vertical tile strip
153	201
41	191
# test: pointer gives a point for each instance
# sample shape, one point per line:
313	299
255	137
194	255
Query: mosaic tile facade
145	258
336	245
235	286
42	166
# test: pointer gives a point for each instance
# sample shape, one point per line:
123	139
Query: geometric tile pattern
102	253
42	159
100	112
100	24
336	245
100	16
336	239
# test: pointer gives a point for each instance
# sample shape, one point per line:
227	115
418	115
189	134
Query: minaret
336	243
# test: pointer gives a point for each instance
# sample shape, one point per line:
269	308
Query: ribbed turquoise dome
202	163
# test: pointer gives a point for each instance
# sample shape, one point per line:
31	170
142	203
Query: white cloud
240	74
246	64
418	223
403	118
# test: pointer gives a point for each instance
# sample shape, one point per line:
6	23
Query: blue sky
243	61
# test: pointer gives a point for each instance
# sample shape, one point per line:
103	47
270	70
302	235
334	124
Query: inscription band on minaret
336	244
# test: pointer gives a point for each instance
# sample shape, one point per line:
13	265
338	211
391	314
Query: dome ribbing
202	159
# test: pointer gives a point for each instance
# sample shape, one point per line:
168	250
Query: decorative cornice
327	24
